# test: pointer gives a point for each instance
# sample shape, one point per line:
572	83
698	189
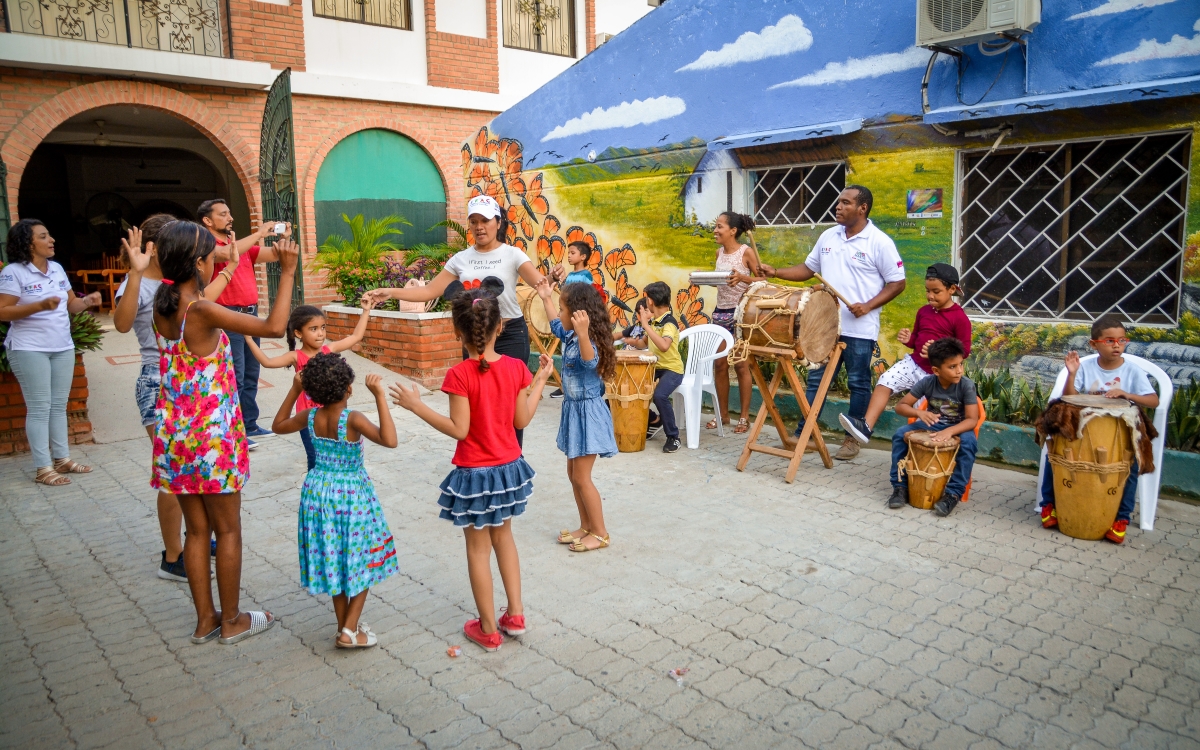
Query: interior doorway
107	169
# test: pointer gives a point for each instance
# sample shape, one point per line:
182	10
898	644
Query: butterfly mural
689	307
525	205
550	247
595	258
624	291
619	258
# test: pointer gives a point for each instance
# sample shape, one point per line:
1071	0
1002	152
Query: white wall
614	16
464	17
707	192
355	50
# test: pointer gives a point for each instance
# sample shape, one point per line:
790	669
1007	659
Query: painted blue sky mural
712	68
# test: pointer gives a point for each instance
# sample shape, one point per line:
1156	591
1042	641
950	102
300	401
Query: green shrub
85	332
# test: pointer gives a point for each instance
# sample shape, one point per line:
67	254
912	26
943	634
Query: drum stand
547	345
785	360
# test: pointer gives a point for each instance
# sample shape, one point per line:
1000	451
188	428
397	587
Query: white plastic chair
1148	484
703	342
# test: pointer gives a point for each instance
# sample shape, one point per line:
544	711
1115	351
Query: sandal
259	623
48	476
743	425
67	466
711	424
353	636
565	536
579	546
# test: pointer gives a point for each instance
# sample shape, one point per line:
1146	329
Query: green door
378	173
277	175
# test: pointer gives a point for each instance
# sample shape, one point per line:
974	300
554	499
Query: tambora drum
534	311
775	319
1090	471
929	465
629	394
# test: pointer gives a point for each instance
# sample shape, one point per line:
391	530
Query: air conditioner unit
602	37
655	3
957	23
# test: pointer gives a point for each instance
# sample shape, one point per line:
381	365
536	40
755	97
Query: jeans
963	462
513	341
309	450
246	369
667	383
857	361
1128	497
45	379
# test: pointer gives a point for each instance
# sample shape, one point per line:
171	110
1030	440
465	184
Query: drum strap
632	397
1116	467
909	464
747	330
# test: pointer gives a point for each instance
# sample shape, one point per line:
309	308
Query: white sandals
259	623
353	636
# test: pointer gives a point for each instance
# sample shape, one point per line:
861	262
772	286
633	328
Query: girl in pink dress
200	452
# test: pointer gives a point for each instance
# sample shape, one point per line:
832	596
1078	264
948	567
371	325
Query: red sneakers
1049	516
1116	534
511	624
489	641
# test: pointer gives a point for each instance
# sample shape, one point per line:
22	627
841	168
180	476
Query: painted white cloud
863	67
1118	6
1152	49
624	115
785	37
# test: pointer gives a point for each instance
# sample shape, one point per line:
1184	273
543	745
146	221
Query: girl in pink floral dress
200	442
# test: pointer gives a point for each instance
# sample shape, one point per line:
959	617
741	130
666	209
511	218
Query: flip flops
259	623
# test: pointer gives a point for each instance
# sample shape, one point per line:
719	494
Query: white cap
484	205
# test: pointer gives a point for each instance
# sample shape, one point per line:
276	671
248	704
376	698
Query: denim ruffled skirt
486	495
586	428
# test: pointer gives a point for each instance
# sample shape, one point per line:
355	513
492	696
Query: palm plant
440	252
1183	420
353	263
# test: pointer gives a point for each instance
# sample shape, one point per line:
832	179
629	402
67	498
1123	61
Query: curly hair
584	297
298	319
326	378
181	245
476	316
150	229
20	240
943	349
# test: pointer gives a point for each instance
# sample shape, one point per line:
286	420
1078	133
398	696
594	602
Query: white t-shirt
45	330
1128	377
143	324
472	266
858	268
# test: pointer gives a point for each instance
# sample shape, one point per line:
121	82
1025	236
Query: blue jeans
963	462
45	380
667	383
309	450
857	361
1128	497
246	369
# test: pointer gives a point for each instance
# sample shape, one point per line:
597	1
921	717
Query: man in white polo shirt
860	262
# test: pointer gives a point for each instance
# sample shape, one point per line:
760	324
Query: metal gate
5	220
277	175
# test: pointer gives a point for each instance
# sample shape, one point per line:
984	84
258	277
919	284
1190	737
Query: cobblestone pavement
808	615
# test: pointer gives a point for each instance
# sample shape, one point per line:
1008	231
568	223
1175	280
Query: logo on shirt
899	264
860	256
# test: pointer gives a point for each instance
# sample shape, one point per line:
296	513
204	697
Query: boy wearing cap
941	318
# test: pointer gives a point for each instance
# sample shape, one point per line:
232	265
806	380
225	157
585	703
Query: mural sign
925	203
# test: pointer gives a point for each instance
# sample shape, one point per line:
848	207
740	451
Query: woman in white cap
489	263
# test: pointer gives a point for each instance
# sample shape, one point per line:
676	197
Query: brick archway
18	147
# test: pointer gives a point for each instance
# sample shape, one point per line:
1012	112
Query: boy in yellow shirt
662	339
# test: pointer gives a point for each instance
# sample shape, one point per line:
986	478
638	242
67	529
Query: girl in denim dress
585	429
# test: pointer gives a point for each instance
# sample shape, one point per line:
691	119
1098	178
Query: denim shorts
146	393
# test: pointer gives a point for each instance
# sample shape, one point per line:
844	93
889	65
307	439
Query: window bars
540	26
396	14
806	194
1068	232
187	26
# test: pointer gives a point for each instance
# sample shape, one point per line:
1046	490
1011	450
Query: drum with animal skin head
533	309
929	465
1089	472
629	393
778	318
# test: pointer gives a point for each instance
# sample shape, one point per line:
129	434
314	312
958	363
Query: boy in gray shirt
951	409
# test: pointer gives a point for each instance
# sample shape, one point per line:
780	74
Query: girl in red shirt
490	394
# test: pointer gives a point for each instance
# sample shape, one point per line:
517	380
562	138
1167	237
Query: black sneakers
556	393
653	428
945	505
172	571
671	446
855	428
898	499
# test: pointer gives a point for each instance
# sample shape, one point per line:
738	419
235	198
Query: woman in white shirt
36	301
489	257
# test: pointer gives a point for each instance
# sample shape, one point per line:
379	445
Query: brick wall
268	32
462	62
12	412
589	12
420	350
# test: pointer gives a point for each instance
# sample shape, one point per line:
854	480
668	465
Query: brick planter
12	412
419	346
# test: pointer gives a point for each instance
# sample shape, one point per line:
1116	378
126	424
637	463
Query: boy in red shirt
941	318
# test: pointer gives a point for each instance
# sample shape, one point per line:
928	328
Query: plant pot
12	412
419	346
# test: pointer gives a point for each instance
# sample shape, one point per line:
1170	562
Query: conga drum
778	319
1090	471
929	465
629	394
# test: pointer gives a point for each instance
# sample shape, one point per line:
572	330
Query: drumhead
533	309
1085	400
924	439
635	356
820	326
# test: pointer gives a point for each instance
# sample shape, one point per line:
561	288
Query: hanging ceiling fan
103	140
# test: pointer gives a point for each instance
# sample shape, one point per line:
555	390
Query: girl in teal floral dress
344	541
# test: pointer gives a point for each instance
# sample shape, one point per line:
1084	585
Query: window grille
540	26
396	14
1068	232
805	194
189	26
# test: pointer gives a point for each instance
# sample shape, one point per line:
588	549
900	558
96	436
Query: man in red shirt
240	295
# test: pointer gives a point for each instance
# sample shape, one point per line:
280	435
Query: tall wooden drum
777	319
629	394
929	465
1090	472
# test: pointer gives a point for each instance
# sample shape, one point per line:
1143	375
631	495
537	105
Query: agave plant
345	261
